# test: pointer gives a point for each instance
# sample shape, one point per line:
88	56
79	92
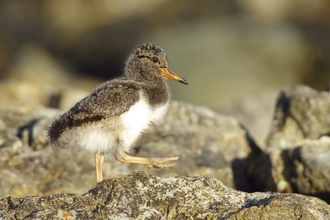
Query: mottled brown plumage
114	115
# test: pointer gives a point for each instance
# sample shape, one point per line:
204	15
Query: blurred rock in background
296	157
236	55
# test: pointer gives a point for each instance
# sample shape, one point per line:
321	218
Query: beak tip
183	81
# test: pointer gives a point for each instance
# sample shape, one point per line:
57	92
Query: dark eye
155	59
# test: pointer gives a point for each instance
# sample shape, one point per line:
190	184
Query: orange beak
167	72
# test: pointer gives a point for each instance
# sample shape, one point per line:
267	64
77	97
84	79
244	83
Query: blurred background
235	54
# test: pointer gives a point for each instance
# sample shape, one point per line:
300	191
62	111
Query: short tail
56	129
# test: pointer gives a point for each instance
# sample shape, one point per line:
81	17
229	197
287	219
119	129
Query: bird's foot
160	162
156	162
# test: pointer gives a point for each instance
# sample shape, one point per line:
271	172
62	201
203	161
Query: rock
23	92
255	111
27	93
302	169
20	116
144	196
208	143
297	156
301	113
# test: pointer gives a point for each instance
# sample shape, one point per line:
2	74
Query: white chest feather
138	118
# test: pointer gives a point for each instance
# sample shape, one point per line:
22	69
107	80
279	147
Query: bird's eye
155	59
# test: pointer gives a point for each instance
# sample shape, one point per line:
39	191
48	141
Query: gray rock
302	169
34	94
301	113
208	143
143	196
297	156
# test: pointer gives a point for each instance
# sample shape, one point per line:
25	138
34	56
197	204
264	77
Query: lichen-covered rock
143	196
209	144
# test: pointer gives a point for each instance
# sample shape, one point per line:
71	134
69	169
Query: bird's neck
154	86
157	95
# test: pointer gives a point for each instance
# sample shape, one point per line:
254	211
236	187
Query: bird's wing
109	99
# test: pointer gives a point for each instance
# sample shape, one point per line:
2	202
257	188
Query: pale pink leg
156	162
99	161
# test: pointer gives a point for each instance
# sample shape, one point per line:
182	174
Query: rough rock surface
297	157
208	143
303	169
143	196
301	113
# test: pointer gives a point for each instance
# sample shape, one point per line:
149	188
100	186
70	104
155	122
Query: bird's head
149	61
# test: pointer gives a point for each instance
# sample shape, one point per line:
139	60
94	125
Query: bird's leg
99	161
156	162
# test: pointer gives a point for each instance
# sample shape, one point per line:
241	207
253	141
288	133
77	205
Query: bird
115	114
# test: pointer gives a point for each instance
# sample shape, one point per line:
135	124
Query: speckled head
147	57
148	62
149	49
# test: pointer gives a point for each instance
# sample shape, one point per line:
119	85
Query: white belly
138	118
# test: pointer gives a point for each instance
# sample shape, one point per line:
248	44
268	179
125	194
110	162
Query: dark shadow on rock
259	169
290	170
253	202
241	179
27	128
246	170
291	158
55	100
258	202
282	109
324	196
260	173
